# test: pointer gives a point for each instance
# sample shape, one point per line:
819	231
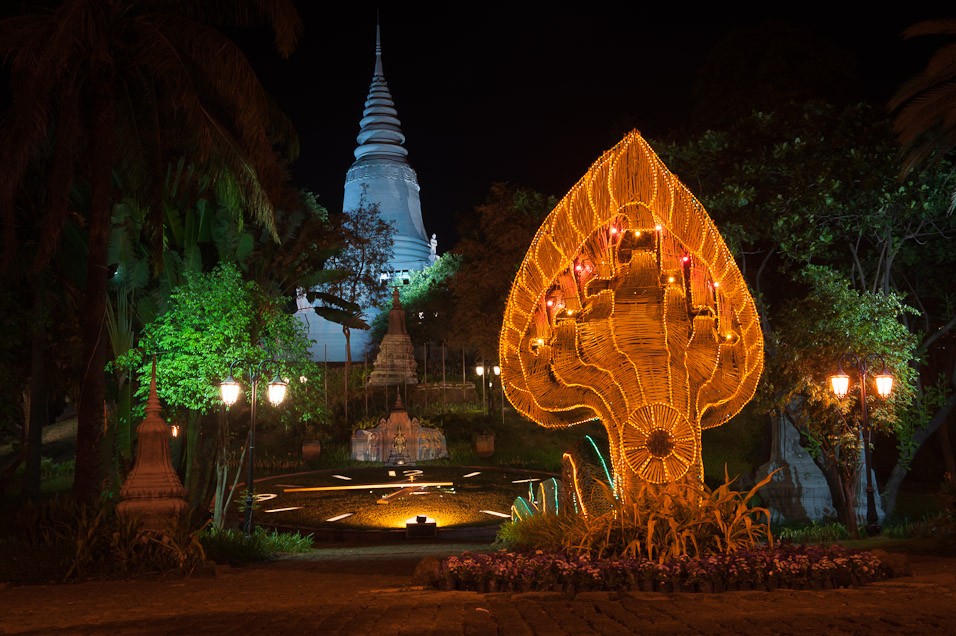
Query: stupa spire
378	51
381	175
380	131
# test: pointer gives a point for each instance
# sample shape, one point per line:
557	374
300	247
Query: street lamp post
480	370
230	393
840	383
497	371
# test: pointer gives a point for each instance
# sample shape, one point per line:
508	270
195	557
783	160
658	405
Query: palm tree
924	107
126	85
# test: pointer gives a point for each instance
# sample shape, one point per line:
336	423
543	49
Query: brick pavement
371	590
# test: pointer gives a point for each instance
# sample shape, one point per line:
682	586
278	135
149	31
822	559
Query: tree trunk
946	449
348	367
843	491
843	495
7	473
89	472
850	497
202	453
39	411
899	472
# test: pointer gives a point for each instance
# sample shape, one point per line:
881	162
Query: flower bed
783	566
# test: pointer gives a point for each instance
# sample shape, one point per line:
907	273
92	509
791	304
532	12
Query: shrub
93	541
815	532
654	521
235	547
535	531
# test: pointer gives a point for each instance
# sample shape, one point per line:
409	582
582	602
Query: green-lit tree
202	226
427	301
214	319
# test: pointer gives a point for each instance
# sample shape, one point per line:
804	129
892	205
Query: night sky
528	97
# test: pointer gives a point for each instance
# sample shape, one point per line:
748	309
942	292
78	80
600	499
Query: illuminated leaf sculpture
629	308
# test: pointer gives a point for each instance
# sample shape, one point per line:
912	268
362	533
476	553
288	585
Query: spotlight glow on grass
342	516
497	514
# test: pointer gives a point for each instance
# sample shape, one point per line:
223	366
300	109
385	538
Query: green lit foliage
427	299
203	225
198	228
235	547
213	319
814	533
159	89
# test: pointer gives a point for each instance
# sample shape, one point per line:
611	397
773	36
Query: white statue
369	438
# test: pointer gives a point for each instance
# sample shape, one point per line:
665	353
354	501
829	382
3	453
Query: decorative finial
378	48
398	402
396	303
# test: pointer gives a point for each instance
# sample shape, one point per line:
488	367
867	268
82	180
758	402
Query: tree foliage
924	106
101	86
831	319
812	333
427	301
493	243
363	254
216	323
214	319
813	183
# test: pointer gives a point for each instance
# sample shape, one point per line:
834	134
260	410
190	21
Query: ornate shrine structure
395	362
398	440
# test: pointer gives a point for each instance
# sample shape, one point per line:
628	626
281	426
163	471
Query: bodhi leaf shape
630	309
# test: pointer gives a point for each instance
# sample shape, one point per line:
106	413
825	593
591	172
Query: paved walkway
371	590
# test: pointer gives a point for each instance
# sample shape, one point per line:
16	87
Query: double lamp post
230	393
480	370
840	383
